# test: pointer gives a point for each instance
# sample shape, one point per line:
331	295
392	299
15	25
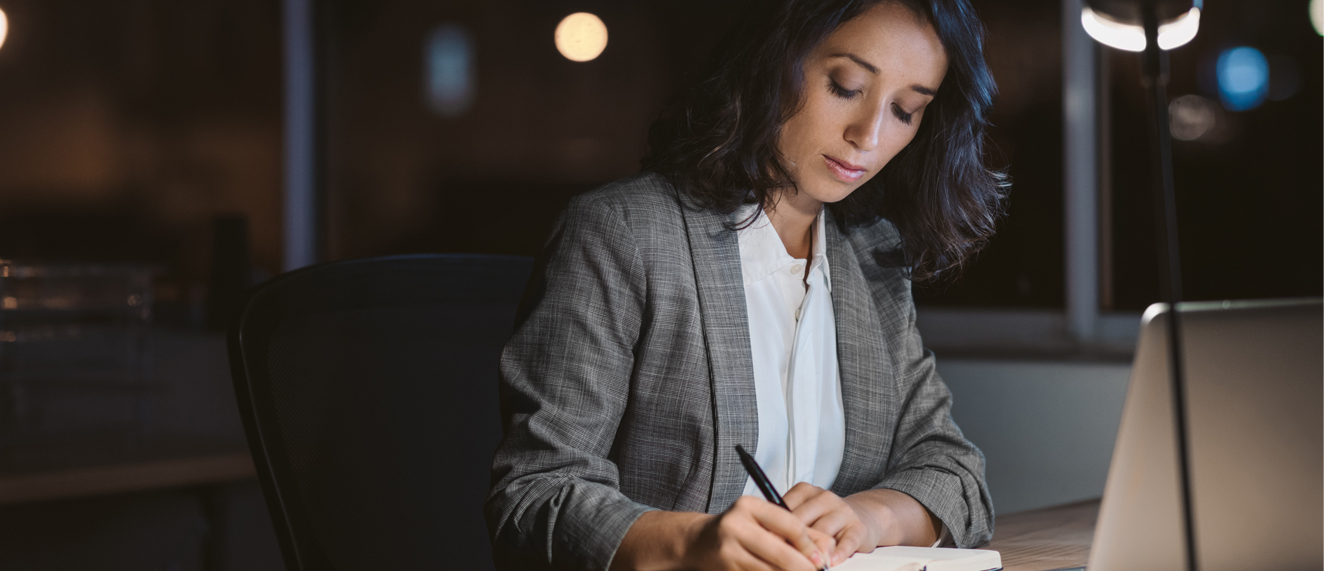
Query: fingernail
817	559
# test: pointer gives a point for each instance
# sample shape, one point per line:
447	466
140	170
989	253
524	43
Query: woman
752	287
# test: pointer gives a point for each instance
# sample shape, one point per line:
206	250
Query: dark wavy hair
717	140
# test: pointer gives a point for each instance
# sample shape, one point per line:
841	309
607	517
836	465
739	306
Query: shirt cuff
944	538
939	492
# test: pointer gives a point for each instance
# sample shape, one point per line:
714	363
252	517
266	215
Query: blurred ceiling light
1190	117
449	61
581	36
1243	78
1131	37
4	27
1317	16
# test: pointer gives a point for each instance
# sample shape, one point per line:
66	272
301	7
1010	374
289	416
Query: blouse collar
762	251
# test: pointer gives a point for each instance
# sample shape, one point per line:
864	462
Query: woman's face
865	90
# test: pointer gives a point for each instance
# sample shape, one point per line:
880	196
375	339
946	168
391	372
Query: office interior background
144	148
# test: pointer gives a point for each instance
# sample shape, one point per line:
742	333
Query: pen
765	485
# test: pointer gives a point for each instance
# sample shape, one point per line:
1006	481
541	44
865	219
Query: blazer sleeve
555	500
930	460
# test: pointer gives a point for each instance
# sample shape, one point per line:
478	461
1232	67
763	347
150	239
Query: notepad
923	559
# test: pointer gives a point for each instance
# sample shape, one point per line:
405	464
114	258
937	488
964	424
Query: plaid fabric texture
628	381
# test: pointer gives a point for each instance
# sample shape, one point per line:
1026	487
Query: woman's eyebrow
864	64
917	88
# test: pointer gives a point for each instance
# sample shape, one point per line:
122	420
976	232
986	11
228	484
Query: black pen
765	485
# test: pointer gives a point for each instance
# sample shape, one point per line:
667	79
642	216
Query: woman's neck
792	216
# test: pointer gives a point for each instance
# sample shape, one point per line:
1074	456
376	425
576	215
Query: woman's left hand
863	521
835	517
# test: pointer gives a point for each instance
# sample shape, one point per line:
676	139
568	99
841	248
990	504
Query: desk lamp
1152	27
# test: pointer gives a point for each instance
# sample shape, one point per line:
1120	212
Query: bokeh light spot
449	70
581	36
1317	16
1190	117
1243	78
4	27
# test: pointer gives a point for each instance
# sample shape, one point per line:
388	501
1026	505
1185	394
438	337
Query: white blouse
793	341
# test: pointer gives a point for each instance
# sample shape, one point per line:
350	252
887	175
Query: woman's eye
901	114
840	91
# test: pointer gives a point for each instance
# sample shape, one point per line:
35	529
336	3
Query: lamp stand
1155	65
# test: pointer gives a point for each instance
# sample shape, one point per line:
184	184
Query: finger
773	551
833	520
849	540
790	530
742	559
750	544
809	510
827	545
800	493
786	525
826	512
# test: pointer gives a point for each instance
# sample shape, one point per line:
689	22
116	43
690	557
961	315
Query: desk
186	435
191	436
199	467
1049	538
131	476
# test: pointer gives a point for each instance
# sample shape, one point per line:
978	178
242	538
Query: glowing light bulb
1131	38
581	36
1317	16
4	27
1180	32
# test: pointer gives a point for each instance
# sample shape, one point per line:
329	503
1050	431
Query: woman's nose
866	129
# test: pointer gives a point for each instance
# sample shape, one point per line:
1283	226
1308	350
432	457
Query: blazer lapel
720	286
864	368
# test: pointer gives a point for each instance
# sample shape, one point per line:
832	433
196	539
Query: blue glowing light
449	69
1243	78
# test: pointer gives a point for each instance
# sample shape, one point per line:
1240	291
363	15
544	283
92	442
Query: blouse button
796	269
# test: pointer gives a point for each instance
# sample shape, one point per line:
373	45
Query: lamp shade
1120	23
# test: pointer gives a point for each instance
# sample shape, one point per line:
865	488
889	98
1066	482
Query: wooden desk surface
125	477
1050	538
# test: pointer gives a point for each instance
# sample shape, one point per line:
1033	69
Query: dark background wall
129	124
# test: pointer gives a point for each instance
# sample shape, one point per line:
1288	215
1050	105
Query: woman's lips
844	171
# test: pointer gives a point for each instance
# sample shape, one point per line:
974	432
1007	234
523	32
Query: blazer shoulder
639	195
878	245
646	204
877	248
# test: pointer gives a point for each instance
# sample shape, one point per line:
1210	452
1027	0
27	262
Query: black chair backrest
368	390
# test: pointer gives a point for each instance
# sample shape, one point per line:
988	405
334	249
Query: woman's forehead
892	39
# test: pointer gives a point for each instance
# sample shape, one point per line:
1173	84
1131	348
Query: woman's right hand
757	534
752	535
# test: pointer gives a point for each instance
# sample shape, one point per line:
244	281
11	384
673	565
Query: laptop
1255	394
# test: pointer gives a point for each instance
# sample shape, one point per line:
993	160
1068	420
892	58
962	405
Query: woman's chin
832	191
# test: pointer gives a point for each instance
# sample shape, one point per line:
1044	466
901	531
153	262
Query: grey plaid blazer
628	381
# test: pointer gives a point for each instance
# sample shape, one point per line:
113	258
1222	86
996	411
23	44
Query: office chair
368	391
